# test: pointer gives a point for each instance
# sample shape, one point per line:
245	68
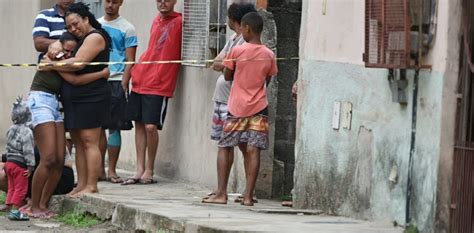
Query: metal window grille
387	34
195	32
462	189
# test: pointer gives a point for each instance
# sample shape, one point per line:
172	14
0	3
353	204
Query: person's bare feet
86	190
75	191
147	175
247	201
216	199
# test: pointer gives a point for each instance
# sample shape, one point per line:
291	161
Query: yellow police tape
9	65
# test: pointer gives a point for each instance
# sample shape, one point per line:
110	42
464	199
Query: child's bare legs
253	165
223	170
231	161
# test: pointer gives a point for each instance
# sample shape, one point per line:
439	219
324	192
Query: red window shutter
387	34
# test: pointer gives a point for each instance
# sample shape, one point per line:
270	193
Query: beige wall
185	150
16	23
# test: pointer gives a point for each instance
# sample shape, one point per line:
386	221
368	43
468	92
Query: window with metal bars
387	34
203	30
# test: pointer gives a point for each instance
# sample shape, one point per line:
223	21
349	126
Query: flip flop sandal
244	204
209	195
147	181
16	215
211	201
115	180
240	199
39	215
130	180
51	214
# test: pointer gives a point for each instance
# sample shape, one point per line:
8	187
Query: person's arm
228	74
229	67
41	33
78	80
29	151
92	46
130	54
42	43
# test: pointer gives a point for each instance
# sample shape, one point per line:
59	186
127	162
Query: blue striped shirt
49	24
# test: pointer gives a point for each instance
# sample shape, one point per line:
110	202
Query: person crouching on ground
20	159
251	67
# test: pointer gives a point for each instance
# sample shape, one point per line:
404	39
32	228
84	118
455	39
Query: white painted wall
346	172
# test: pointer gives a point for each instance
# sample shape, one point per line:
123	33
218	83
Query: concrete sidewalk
176	207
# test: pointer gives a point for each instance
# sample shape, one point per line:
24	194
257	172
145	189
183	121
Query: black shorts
147	109
118	108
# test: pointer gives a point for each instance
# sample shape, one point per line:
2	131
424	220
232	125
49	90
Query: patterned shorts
252	130
218	118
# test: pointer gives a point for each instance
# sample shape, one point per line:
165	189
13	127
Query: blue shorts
44	107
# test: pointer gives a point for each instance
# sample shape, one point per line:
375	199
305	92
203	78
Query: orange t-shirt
252	64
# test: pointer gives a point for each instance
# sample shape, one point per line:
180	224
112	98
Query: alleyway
173	206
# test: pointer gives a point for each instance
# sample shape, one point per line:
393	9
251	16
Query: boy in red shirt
250	66
152	86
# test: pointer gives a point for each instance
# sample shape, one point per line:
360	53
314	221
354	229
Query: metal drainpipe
414	116
412	145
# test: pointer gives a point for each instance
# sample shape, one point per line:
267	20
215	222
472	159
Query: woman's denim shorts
44	107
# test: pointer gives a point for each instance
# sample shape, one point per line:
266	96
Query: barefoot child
250	66
20	159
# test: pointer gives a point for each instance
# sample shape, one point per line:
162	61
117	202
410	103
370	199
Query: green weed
411	229
78	218
3	197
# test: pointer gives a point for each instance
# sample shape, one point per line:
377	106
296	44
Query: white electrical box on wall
336	115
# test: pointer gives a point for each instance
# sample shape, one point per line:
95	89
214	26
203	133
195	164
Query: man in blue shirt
124	47
49	25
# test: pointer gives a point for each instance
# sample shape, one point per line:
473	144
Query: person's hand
54	49
125	84
43	64
294	91
27	173
106	73
218	67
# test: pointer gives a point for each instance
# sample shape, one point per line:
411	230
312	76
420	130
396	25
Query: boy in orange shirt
250	66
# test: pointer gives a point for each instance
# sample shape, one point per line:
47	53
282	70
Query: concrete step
176	207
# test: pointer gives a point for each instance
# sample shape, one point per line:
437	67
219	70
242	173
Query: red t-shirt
252	64
164	45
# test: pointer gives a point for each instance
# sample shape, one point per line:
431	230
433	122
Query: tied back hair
82	10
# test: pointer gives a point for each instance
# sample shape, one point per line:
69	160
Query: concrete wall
185	150
17	18
347	172
288	19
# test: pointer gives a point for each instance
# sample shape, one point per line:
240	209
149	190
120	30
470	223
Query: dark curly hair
237	10
83	10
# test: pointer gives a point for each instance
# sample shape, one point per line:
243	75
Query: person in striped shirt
49	26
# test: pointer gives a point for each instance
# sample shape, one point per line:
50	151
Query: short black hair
254	21
67	36
237	10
